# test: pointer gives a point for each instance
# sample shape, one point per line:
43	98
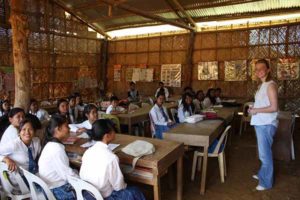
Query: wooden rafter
176	11
57	2
86	6
189	18
147	14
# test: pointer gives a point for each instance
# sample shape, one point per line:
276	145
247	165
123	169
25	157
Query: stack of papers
111	146
194	118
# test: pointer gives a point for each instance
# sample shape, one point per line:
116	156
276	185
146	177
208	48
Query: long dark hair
211	98
100	128
1	108
185	105
25	121
55	121
15	111
87	109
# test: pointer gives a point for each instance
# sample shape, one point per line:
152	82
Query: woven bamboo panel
156	75
111	47
196	56
59	90
39	75
208	55
130	59
154	44
59	24
254	37
225	87
252	88
142	58
82	45
154	59
238	89
58	12
291	87
195	72
131	45
166	43
120	47
92	46
69	47
65	75
35	60
209	40
253	52
224	39
197	43
239	53
34	41
5	59
166	57
223	54
98	46
281	88
121	59
263	52
180	42
221	67
203	85
91	60
293	33
293	105
179	57
112	59
142	45
240	38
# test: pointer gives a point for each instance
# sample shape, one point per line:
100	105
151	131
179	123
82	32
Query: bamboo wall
63	53
247	44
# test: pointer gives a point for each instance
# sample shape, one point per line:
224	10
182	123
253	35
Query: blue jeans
160	129
130	193
264	135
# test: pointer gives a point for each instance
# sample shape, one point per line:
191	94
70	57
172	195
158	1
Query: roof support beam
57	2
179	6
175	10
147	14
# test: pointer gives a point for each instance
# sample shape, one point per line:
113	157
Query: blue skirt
64	192
130	193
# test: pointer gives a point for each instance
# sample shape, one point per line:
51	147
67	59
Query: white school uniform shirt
10	134
157	116
207	103
198	105
100	167
218	100
86	124
262	100
54	165
182	115
166	92
41	114
17	151
111	108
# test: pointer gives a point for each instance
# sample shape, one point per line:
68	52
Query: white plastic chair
152	126
174	112
246	118
80	185
35	180
217	152
151	101
15	192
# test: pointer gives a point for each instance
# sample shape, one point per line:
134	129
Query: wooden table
201	134
139	115
167	153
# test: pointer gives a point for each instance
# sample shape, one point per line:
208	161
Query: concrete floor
242	163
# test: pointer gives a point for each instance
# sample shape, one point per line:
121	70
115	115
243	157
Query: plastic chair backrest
222	140
8	187
173	113
152	125
80	186
35	180
115	120
151	101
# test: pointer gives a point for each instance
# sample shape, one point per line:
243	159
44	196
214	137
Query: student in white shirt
133	94
22	151
198	101
73	110
63	109
54	163
114	109
4	107
159	116
100	166
218	92
15	115
210	98
90	112
162	89
35	110
79	106
186	108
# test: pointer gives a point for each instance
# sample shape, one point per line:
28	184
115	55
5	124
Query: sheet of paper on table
111	146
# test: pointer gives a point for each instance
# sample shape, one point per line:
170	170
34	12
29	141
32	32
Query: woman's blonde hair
267	64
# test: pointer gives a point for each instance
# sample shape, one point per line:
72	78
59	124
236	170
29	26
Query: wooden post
20	33
189	59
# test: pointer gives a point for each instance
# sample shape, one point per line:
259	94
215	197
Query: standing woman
264	119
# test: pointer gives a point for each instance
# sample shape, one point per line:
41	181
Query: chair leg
221	166
292	149
199	163
241	126
194	166
225	167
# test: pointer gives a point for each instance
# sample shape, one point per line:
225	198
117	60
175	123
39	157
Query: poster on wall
288	69
171	75
117	72
146	75
208	70
252	68
7	78
129	73
236	70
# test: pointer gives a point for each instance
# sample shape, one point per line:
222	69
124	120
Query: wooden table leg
129	127
204	168
179	178
156	188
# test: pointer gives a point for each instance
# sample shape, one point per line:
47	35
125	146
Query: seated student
186	108
100	166
35	110
23	151
218	92
198	101
91	114
210	99
15	116
162	89
114	109
159	116
79	106
73	110
133	94
54	163
4	107
63	109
